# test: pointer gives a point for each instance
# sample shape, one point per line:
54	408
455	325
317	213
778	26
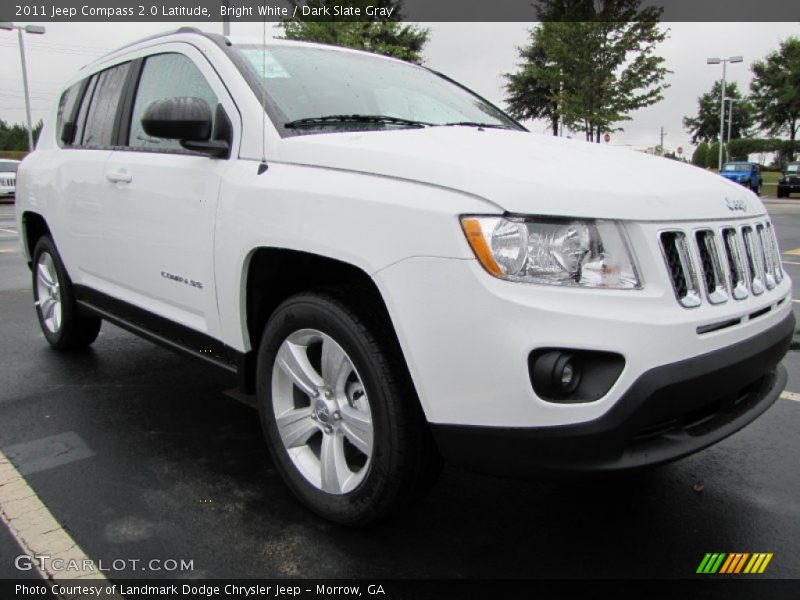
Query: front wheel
61	322
338	411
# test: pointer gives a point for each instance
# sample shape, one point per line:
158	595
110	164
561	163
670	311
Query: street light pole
724	61
37	29
25	88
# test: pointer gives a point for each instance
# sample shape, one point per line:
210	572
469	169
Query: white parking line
7	250
791	396
789	262
36	530
14	231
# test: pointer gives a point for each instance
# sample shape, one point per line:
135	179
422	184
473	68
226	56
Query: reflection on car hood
529	174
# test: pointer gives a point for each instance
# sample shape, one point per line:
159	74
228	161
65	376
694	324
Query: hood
527	173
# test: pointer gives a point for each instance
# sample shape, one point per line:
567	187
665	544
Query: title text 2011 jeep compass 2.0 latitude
399	270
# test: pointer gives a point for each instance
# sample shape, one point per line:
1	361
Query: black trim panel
669	412
158	329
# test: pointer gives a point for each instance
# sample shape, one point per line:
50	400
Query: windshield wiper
338	119
475	124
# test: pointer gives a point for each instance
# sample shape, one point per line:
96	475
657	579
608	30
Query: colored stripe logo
734	563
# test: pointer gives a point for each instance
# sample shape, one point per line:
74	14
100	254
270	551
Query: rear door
86	130
164	199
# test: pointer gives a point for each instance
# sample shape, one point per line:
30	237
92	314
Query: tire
782	194
61	322
360	445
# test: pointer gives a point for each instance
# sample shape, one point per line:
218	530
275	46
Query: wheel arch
34	227
271	275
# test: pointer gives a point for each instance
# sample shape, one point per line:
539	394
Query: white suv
399	270
8	177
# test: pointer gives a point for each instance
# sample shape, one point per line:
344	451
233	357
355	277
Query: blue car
744	173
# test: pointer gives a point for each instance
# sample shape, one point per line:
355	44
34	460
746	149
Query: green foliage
705	126
13	154
389	37
532	91
15	137
740	149
700	156
775	90
712	158
589	64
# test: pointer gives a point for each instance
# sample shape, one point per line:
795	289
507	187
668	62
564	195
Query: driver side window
166	76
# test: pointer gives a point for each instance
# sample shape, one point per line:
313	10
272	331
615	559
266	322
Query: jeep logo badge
736	204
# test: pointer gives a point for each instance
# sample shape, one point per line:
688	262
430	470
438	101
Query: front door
164	201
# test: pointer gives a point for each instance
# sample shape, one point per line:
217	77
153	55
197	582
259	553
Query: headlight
567	252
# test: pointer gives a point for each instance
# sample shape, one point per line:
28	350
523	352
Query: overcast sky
476	54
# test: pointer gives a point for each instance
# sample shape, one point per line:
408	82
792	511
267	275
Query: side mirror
186	119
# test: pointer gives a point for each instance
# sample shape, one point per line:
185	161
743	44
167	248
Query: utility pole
37	29
661	144
724	61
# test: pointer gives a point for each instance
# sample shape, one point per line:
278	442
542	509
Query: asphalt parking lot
138	453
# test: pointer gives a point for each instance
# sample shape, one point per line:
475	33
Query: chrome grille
733	262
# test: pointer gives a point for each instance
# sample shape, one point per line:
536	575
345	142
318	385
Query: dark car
790	181
745	173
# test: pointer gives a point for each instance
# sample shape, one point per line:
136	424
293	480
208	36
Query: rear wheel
338	410
61	322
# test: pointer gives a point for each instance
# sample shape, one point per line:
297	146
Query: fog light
557	373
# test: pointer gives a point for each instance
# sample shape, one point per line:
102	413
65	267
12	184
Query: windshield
315	84
8	167
793	168
737	167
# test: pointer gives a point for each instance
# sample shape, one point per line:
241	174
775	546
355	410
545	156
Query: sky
475	54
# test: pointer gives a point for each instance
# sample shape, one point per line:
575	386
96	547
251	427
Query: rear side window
166	76
103	103
65	121
80	118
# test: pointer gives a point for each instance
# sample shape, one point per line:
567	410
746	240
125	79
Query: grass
771	177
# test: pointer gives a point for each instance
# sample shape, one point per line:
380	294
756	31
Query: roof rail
193	30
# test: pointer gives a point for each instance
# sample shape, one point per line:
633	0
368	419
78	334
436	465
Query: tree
700	155
590	63
15	137
705	126
775	90
712	158
389	36
532	92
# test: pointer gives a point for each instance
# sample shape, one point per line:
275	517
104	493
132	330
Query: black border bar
411	10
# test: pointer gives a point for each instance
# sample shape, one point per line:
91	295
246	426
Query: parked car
789	183
399	270
8	178
744	173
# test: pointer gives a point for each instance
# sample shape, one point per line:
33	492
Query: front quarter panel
367	221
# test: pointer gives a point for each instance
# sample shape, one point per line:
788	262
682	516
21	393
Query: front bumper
669	412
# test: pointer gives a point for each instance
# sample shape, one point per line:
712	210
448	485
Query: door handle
119	176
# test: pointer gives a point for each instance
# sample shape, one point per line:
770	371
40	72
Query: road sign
607	137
